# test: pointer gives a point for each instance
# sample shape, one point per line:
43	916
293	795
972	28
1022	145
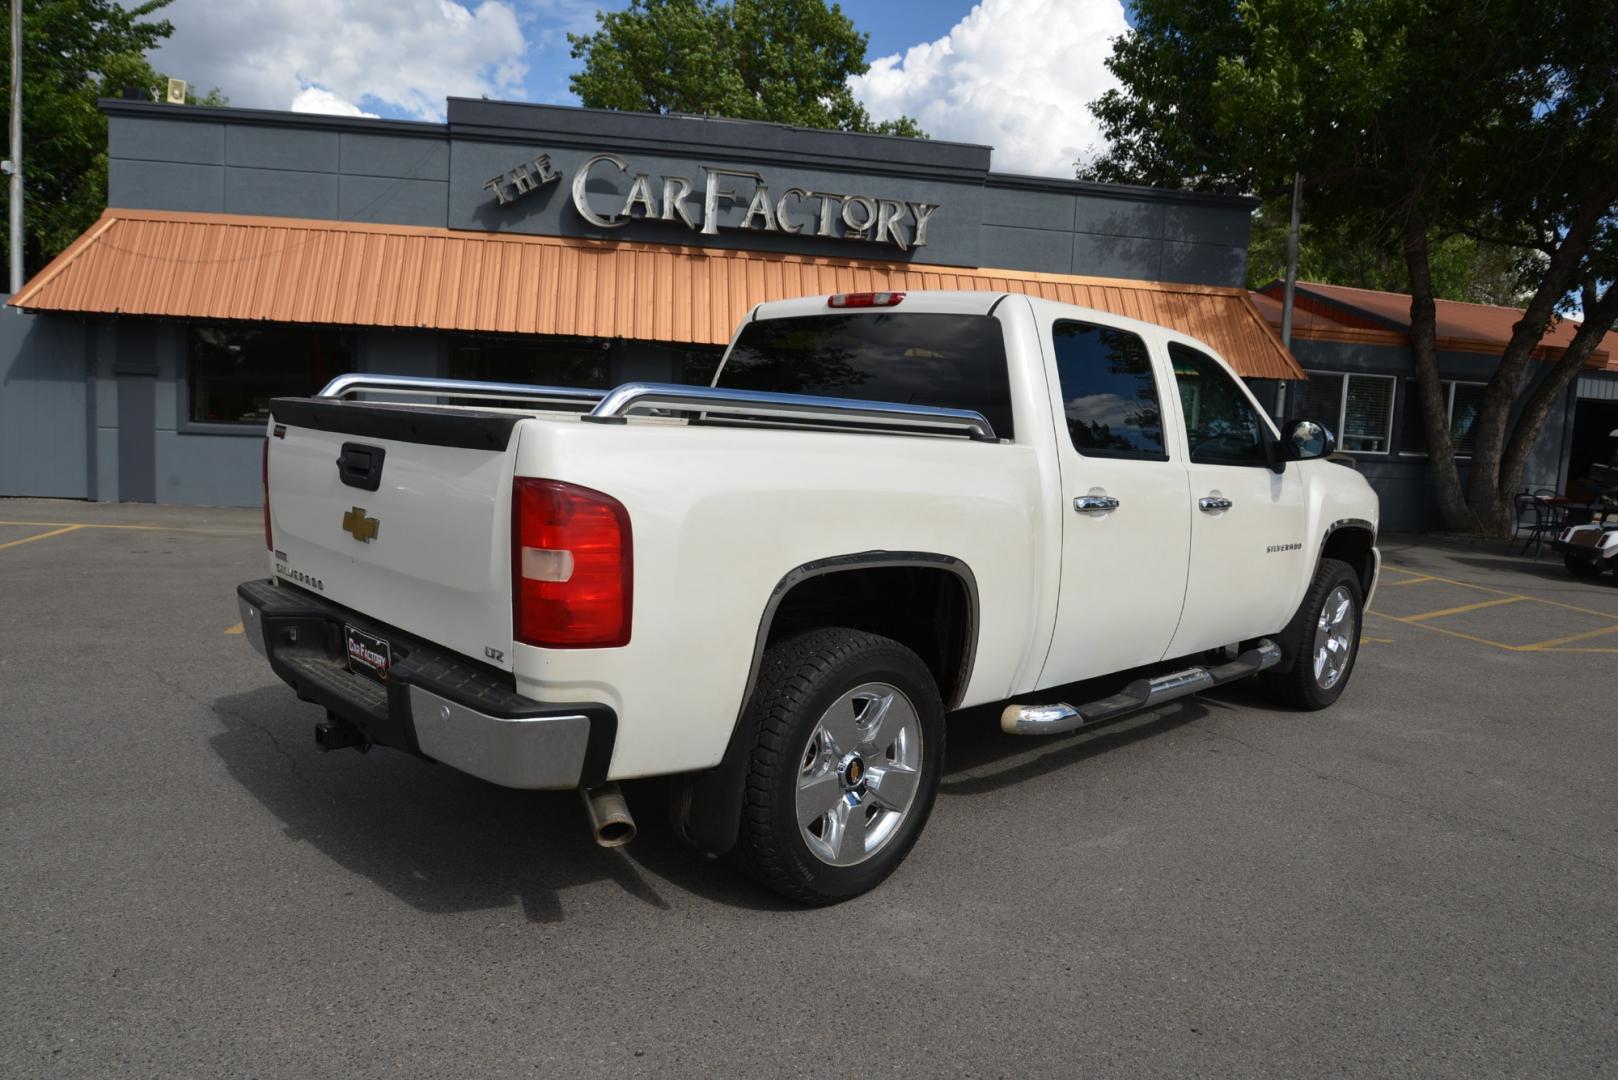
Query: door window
1108	392
1222	427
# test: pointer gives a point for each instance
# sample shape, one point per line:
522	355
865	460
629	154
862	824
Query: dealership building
246	255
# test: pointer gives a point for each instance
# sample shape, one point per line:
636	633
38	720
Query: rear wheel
1582	568
1323	639
849	739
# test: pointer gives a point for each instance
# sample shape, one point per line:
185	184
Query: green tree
786	61
74	52
1414	122
1464	268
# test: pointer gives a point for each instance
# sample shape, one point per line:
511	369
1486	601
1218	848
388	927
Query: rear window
948	361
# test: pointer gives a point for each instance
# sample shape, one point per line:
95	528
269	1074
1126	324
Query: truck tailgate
403	514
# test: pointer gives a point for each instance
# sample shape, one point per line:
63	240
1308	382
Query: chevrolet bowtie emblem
360	527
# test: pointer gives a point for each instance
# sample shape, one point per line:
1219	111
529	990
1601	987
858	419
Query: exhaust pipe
610	821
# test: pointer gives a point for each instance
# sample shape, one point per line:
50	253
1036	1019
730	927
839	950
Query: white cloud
1016	74
405	56
317	99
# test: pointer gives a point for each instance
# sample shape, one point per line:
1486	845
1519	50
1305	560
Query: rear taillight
269	544
570	566
865	299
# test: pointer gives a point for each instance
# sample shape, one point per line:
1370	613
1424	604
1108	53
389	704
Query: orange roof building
246	255
1354	345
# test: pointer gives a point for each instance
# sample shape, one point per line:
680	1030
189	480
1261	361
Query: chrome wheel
1334	637
858	774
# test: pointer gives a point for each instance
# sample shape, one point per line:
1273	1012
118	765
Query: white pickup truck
886	507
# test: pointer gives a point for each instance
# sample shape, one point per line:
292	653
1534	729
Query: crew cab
886	507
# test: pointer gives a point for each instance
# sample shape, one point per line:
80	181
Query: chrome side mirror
1305	440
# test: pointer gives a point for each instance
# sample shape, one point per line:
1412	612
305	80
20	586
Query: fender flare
706	807
1293	626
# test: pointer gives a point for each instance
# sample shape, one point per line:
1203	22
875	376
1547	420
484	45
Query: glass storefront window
1462	401
595	363
235	371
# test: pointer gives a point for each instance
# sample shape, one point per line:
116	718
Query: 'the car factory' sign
795	210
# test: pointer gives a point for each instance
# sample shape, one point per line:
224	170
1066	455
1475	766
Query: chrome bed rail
614	406
423	386
754	403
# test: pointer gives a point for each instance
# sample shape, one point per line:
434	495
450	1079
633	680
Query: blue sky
894	26
1017	75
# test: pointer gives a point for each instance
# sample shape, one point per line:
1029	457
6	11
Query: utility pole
15	162
1292	284
1292	262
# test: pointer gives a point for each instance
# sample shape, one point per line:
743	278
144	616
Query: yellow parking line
1378	640
237	629
41	536
1465	608
1409	581
1572	638
1535	599
1597	649
81	525
1446	630
139	528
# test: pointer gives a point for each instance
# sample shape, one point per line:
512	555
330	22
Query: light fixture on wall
176	92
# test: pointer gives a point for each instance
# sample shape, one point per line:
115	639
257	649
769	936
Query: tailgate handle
361	466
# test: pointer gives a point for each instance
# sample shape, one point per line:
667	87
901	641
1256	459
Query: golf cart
1590	548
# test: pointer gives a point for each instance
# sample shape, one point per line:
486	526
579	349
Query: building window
1361	406
1108	392
594	363
545	361
1462	403
235	371
1221	425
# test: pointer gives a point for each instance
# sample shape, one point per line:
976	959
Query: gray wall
293	165
240	161
1402	480
44	406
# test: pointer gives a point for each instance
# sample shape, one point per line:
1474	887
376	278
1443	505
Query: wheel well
927	609
1352	545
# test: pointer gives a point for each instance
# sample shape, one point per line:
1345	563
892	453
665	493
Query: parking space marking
68	526
1417	580
1479	606
1587	635
39	536
1378	640
1554	645
1445	630
237	629
1500	592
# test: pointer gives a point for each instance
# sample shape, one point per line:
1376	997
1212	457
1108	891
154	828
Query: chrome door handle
1212	504
1095	504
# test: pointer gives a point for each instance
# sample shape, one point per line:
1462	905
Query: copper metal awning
288	270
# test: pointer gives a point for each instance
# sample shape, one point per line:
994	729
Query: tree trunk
1598	319
1491	488
1424	343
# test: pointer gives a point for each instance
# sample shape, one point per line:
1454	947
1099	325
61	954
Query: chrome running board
1141	694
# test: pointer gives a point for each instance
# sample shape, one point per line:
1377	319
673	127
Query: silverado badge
360	527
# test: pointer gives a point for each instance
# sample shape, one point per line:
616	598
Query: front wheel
848	744
1582	568
1323	639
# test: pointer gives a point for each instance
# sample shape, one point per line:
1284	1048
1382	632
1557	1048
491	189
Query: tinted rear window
950	361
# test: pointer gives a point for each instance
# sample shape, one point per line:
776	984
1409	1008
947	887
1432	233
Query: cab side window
1108	392
1222	427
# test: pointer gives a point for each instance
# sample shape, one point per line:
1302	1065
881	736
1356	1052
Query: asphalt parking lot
1422	881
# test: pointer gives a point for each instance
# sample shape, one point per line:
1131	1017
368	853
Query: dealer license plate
368	654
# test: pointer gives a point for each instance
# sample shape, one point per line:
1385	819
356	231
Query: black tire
799	680
1582	568
1298	686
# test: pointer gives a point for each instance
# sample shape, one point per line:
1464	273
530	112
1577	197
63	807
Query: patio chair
1535	519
